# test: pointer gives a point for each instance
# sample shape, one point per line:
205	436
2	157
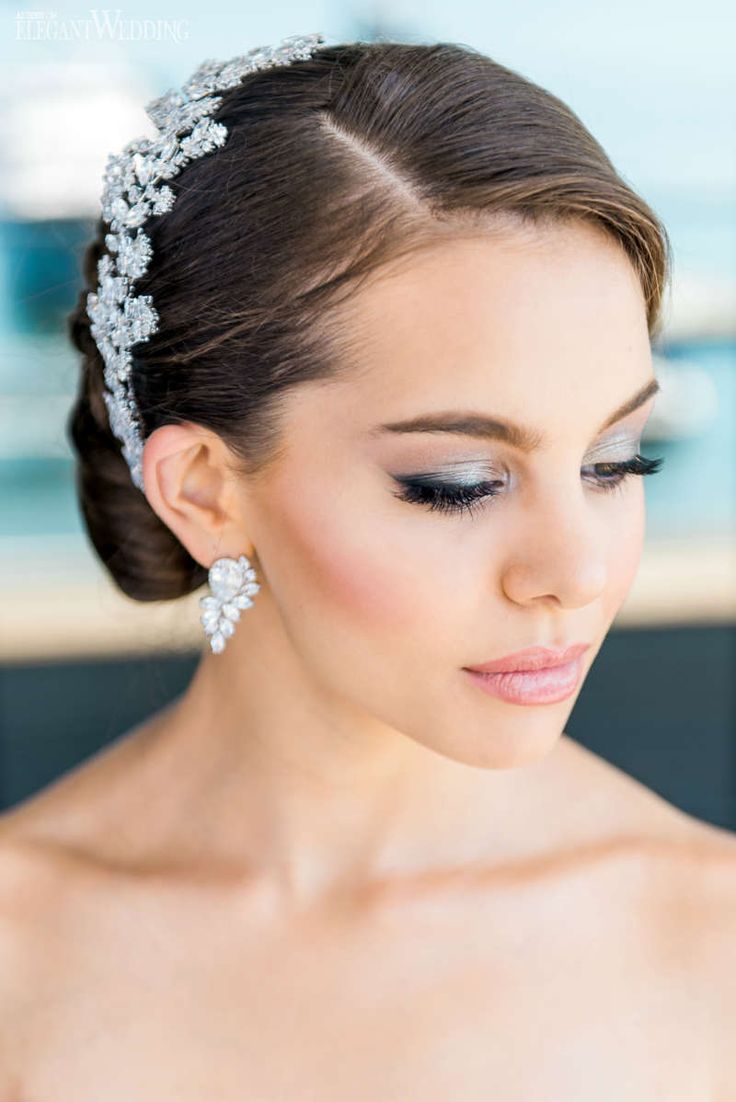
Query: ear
190	483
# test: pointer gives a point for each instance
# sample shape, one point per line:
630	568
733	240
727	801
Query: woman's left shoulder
684	870
716	949
705	892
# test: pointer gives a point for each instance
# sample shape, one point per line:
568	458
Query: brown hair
332	166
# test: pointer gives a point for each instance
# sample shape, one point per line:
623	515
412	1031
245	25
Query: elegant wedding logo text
104	23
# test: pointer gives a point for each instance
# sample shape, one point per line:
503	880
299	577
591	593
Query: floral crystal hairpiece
133	190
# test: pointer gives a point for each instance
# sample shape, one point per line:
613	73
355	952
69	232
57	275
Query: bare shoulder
706	892
37	884
26	891
714	887
40	866
689	868
33	882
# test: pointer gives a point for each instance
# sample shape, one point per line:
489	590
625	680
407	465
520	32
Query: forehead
518	321
562	288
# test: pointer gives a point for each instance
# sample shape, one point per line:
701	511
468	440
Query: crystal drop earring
232	582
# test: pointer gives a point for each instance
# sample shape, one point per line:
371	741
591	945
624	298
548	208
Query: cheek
625	548
348	564
368	602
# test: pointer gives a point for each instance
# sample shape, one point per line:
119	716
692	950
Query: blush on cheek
352	566
369	581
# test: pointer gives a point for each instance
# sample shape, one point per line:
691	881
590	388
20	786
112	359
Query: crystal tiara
133	191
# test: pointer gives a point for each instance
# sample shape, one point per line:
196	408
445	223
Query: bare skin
333	868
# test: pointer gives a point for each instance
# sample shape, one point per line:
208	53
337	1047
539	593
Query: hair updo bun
332	166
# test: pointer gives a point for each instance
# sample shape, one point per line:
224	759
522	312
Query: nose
560	553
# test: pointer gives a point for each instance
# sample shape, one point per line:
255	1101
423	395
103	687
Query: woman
401	365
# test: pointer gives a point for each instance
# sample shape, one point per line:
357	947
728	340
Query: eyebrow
518	436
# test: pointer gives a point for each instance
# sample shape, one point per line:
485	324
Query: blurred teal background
655	82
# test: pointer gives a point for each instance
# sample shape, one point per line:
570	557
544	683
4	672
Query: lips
532	658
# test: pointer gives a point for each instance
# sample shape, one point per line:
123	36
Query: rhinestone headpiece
133	191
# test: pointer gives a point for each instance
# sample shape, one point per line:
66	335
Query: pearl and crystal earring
232	582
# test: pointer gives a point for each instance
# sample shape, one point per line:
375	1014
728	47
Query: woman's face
385	600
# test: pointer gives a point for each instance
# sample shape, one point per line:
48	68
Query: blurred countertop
58	602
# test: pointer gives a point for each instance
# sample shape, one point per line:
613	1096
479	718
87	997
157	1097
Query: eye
610	476
447	497
451	497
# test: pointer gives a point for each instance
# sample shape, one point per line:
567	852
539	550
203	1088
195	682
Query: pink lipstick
536	675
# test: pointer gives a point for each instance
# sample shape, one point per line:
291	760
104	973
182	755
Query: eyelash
457	499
